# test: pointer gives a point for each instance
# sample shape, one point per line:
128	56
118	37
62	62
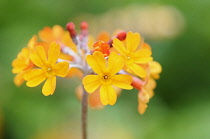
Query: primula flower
146	87
23	63
105	64
133	56
48	68
106	76
145	94
155	69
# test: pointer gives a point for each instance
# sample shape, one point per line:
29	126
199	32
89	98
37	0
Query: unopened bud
121	35
83	25
103	47
71	28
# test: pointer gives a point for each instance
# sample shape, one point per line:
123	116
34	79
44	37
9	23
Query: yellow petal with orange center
91	83
34	77
115	63
122	81
132	41
49	86
108	95
53	53
97	62
138	70
39	57
119	46
61	69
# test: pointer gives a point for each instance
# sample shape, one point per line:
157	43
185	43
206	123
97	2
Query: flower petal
138	70
53	53
91	83
34	77
143	60
61	68
143	53
108	95
49	86
39	57
119	46
132	41
97	62
122	81
115	63
18	80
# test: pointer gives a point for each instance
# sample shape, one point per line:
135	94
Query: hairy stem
84	114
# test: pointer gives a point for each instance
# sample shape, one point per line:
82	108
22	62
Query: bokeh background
178	32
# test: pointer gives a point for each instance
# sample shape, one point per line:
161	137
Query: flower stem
84	114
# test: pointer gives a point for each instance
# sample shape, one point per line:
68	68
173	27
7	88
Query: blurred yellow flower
155	69
133	56
106	76
23	63
147	89
48	68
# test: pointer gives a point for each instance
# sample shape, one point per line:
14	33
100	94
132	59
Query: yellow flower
48	68
106	76
143	99
155	69
23	63
145	94
134	56
51	34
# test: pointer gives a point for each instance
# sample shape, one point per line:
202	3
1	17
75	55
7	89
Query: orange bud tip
103	47
83	25
121	35
71	28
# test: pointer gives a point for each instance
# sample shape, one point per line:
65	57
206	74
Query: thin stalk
84	114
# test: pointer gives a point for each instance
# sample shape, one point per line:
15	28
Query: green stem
84	114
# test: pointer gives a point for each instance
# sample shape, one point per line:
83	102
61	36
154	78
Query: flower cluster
104	65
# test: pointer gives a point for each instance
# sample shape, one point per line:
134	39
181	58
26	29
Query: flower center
129	58
106	77
50	70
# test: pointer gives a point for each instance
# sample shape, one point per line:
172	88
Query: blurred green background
180	108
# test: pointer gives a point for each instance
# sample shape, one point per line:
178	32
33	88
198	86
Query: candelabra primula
123	61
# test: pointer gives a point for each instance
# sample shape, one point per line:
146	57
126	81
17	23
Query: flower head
106	76
48	68
133	56
23	63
